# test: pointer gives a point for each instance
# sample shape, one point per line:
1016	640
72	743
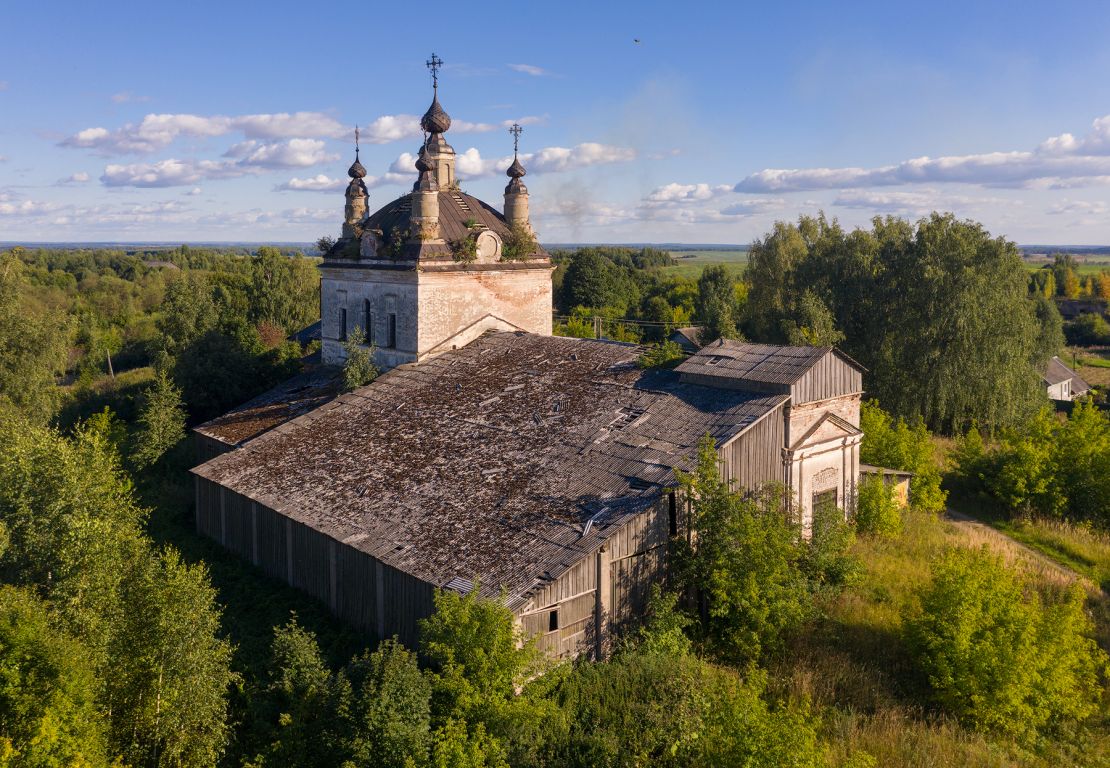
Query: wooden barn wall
375	598
831	376
207	448
755	456
634	559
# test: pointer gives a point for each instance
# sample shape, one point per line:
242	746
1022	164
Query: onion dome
516	170
356	171
421	163
435	120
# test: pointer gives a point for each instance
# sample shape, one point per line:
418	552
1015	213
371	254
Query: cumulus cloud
1056	160
389	128
294	153
172	173
471	165
673	193
157	132
1081	208
529	69
192	192
318	183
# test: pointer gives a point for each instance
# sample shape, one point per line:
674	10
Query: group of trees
1062	279
939	313
1047	467
109	646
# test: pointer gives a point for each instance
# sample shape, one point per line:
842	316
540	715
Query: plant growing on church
359	369
464	250
519	244
666	354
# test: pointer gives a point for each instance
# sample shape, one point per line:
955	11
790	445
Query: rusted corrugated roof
488	462
288	400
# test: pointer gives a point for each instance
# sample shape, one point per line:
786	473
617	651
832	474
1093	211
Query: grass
692	262
1078	547
854	668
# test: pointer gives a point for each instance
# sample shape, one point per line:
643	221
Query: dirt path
983	533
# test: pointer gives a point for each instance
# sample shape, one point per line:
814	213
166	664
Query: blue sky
233	121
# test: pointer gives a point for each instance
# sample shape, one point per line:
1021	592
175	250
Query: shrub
996	656
359	369
877	512
665	354
519	244
897	445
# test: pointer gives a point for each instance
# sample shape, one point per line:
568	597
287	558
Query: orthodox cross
356	142
434	64
516	130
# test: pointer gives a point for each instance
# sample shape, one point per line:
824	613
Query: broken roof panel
489	461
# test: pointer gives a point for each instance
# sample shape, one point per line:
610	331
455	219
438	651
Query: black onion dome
516	170
435	120
356	171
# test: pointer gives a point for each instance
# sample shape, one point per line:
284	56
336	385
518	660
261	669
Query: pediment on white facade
488	322
828	428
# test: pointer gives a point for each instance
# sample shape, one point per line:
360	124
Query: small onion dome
516	170
421	163
356	171
435	120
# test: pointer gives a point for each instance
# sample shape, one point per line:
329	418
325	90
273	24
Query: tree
33	346
593	281
171	672
188	311
896	445
358	369
746	566
389	717
477	656
283	291
49	716
940	313
666	353
877	512
996	656
814	326
161	423
716	304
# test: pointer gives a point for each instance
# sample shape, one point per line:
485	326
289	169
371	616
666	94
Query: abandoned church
491	454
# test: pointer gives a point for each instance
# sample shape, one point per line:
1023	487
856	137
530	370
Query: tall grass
854	667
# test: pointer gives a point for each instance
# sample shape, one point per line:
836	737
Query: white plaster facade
822	454
431	310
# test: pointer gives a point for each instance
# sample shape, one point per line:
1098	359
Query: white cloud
77	178
192	192
25	208
1058	159
172	173
675	193
1081	208
529	69
294	153
318	183
126	96
157	132
471	165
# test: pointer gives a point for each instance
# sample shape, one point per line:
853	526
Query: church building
491	455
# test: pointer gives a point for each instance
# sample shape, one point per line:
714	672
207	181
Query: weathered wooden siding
207	448
371	596
754	457
632	559
831	376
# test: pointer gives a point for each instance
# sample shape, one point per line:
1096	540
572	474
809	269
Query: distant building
1062	383
689	338
493	455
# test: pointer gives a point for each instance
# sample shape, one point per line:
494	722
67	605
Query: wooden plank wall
831	376
373	597
755	456
635	555
207	448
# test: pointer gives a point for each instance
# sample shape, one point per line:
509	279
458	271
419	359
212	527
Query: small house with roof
491	455
1062	383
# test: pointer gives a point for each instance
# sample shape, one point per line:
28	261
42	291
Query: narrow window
342	324
672	513
369	321
391	336
553	621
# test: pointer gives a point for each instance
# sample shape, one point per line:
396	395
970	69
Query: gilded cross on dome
434	64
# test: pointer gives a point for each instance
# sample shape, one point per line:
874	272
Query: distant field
1092	363
1085	265
692	262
